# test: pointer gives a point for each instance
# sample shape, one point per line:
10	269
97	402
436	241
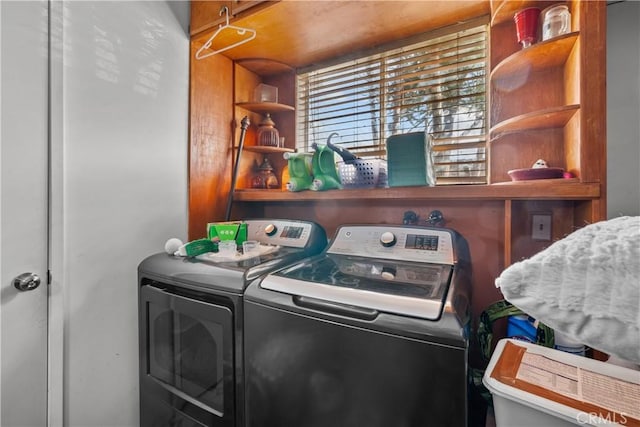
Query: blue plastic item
522	328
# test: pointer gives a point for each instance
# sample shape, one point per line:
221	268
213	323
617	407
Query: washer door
186	357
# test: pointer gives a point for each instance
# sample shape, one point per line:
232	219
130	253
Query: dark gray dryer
190	325
372	332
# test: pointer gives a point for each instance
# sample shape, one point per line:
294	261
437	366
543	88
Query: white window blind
437	85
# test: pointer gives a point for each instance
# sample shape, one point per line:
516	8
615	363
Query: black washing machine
372	332
190	325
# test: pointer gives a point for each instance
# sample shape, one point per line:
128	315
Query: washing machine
190	324
374	331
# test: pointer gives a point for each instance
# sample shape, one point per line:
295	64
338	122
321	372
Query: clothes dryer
191	330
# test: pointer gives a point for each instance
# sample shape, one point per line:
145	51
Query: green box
409	160
230	230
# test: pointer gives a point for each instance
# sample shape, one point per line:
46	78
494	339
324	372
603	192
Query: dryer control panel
402	243
282	232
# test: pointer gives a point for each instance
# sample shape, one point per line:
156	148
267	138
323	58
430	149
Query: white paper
580	384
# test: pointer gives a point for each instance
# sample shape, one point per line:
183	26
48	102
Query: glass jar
556	20
265	178
268	135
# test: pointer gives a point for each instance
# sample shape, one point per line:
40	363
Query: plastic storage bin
516	407
265	93
362	173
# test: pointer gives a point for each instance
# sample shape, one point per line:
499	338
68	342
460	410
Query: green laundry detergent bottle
299	165
325	174
325	182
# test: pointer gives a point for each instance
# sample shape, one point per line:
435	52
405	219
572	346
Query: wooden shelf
563	189
542	119
264	66
540	56
265	107
267	150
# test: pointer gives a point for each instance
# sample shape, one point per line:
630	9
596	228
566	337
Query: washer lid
411	289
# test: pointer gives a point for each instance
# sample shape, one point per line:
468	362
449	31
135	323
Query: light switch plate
541	226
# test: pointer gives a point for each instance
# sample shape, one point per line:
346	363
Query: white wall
121	184
623	108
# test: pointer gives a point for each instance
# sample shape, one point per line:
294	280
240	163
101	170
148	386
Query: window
437	84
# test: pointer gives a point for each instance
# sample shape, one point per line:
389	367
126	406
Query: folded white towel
586	285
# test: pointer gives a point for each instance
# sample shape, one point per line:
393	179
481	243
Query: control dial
270	229
388	239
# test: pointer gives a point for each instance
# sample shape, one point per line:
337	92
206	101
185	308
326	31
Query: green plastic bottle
325	182
299	165
324	169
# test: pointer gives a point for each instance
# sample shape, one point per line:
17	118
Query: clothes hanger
201	53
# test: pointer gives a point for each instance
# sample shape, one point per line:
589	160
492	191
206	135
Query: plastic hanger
201	53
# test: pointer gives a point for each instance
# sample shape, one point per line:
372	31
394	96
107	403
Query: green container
409	160
325	182
197	247
299	171
325	173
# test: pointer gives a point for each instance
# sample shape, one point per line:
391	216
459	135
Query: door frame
57	250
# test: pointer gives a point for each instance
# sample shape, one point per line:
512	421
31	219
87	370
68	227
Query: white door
23	211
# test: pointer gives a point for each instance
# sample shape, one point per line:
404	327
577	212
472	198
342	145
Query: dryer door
186	364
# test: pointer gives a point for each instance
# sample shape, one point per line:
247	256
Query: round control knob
270	229
388	273
387	239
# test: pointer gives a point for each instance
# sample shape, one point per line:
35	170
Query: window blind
436	85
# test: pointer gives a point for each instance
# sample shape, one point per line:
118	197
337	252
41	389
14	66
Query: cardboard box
230	230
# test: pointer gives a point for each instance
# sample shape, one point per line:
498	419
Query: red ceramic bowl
535	173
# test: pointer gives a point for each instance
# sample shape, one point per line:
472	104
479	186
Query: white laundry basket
514	407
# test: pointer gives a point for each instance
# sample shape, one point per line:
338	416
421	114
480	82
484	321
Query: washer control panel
280	232
402	243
